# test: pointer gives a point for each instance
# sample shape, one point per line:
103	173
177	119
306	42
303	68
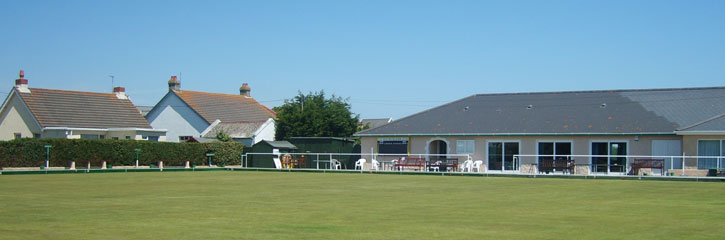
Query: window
393	146
465	146
554	150
710	148
184	138
128	137
114	138
18	135
92	136
608	161
151	138
36	135
501	156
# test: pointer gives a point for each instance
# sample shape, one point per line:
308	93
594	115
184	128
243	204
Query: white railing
326	157
681	159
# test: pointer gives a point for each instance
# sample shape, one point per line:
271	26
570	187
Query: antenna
112	77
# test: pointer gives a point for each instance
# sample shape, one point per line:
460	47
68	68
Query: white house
50	113
186	114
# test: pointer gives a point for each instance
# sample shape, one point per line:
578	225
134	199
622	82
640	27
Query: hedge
30	152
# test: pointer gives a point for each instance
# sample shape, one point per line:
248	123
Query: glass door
609	162
501	156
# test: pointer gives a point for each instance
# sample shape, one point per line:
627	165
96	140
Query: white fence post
73	165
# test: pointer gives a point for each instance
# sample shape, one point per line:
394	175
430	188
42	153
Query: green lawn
272	205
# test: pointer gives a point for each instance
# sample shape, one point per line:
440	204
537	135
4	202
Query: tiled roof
716	123
375	122
63	108
654	111
225	107
235	129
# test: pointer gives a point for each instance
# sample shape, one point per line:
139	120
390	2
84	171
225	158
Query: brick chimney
21	84
245	90
174	84
120	92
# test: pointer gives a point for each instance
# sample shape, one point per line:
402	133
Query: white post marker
186	165
103	166
73	165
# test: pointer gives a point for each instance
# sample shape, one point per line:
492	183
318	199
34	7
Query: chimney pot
120	92
245	90
21	83
174	84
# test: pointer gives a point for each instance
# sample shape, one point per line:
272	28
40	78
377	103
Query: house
50	113
374	122
187	114
513	132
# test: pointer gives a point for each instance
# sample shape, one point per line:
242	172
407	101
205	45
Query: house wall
528	145
16	118
689	146
174	115
266	132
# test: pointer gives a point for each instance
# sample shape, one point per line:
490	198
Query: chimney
21	84
245	90
174	84
120	92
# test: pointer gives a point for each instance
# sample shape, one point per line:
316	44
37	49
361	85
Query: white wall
267	131
172	114
16	119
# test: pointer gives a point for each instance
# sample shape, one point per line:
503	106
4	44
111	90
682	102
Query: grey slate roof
713	124
63	108
235	129
375	122
646	111
281	144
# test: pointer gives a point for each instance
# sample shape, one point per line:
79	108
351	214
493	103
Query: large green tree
313	115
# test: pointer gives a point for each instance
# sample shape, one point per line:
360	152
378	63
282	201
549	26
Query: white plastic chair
393	163
466	166
360	163
436	166
334	164
477	165
375	165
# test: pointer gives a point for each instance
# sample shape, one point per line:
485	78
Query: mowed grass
278	205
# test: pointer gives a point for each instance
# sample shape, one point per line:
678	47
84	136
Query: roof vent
530	106
604	105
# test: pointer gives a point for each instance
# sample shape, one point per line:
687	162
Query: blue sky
390	58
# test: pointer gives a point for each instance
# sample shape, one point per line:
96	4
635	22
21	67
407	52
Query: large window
93	136
501	156
393	146
465	146
607	161
710	148
554	150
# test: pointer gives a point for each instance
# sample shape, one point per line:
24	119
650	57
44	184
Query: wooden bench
552	165
639	163
416	162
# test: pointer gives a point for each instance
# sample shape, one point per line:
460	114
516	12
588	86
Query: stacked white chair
360	163
477	165
334	164
375	165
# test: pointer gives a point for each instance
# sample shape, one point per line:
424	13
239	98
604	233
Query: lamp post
137	150
47	156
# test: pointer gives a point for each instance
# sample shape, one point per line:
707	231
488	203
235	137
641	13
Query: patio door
610	163
501	156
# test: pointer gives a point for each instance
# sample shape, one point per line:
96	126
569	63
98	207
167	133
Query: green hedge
30	152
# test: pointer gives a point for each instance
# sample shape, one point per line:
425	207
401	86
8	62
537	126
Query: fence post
73	165
161	165
683	163
103	165
186	164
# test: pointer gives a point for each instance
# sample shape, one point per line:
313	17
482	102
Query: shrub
30	152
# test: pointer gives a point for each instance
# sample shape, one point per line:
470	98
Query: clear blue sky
391	58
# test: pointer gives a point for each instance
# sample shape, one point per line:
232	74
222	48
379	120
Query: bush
30	152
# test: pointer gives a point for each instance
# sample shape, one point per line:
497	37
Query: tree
223	136
313	115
